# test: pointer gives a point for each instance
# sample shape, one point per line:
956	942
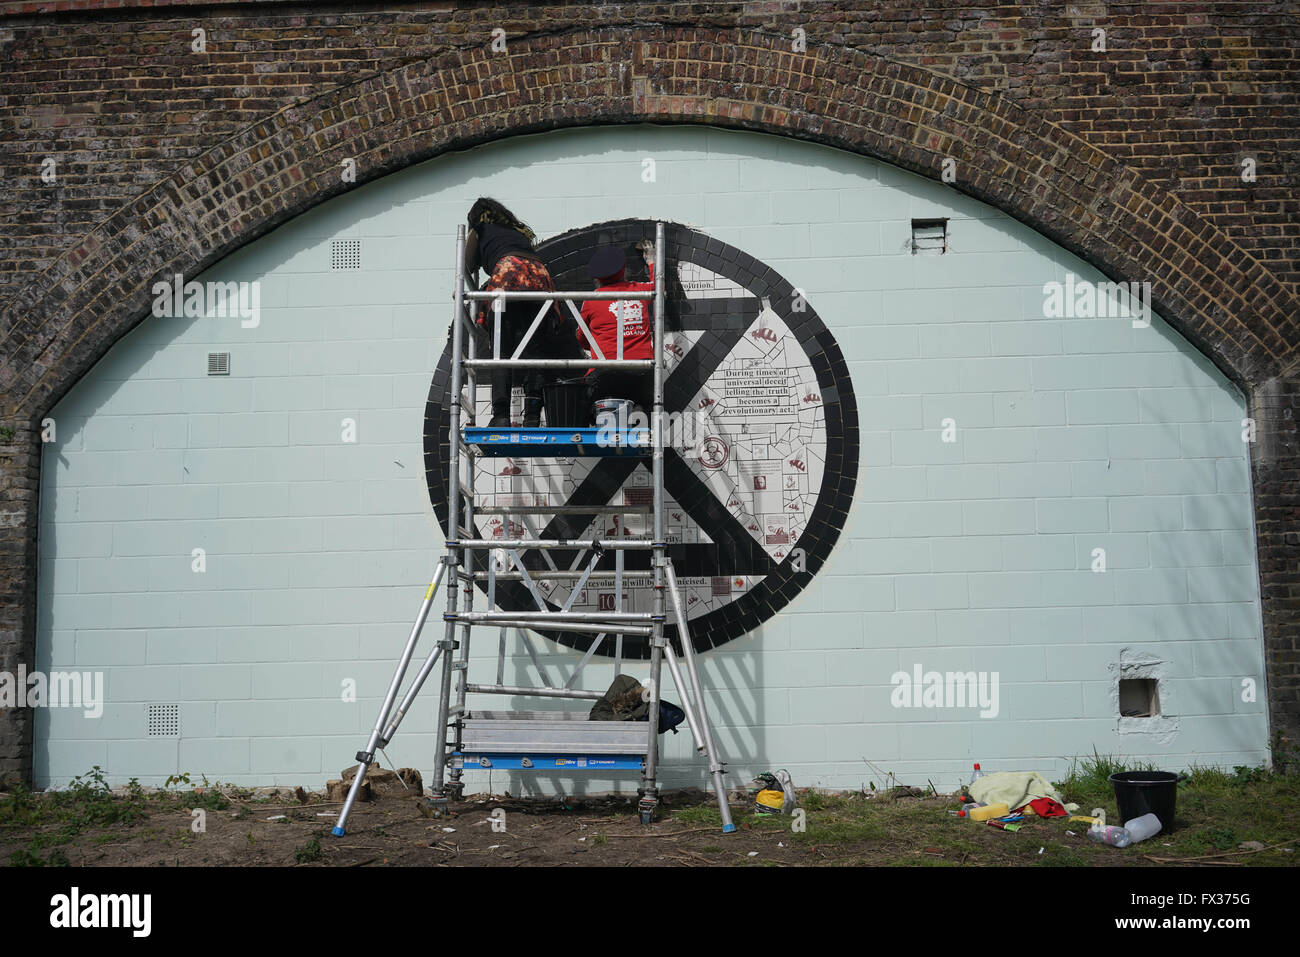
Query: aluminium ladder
536	740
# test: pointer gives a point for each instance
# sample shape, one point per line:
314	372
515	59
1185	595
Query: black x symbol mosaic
721	324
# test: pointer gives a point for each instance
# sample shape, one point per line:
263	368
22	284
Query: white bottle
1140	828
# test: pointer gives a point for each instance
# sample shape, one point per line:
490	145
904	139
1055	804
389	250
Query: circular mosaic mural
762	472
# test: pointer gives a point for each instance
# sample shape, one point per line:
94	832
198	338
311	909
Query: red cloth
1046	807
638	329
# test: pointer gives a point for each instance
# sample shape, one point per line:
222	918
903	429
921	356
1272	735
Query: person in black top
502	246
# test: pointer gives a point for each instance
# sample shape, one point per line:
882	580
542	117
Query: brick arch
1228	304
1223	300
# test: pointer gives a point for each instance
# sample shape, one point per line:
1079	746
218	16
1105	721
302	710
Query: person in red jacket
608	267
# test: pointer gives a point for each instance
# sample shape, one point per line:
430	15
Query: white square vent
164	720
218	363
345	254
929	237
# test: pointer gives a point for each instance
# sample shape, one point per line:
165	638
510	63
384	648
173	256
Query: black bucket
567	404
1142	792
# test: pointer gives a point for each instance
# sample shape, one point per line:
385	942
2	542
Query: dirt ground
256	829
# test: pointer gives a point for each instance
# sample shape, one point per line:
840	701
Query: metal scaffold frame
513	740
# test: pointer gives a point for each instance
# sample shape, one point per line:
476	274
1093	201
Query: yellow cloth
1014	788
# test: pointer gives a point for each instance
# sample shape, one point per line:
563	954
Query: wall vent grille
345	254
218	363
164	720
929	237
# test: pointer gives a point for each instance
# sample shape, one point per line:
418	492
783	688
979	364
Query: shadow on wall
151	418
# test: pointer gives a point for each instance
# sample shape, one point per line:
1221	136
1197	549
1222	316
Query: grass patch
1088	783
89	804
826	819
817	801
25	858
1057	855
838	819
1216	809
309	852
698	816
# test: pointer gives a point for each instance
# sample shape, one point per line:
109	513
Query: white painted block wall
1073	434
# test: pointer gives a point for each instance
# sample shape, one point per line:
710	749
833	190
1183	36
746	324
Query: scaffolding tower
545	740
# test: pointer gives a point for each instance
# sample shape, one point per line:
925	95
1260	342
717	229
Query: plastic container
1146	792
566	403
787	787
1140	828
1110	834
1102	833
988	811
613	413
972	806
977	775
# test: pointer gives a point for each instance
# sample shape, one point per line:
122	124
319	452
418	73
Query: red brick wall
168	159
1182	93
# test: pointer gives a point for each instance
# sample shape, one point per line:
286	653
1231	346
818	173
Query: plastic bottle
1101	833
787	788
972	805
1112	835
1140	828
977	775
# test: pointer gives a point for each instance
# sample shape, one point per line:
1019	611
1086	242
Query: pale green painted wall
1073	434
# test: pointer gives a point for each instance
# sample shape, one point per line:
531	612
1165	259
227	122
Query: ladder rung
561	574
585	629
565	510
536	692
533	295
630	364
618	543
557	617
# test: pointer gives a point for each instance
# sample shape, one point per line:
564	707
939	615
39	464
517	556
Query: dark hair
488	210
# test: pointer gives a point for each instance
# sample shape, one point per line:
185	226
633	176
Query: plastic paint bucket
1146	792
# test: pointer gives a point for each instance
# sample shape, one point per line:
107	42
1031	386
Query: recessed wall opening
1139	698
929	237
